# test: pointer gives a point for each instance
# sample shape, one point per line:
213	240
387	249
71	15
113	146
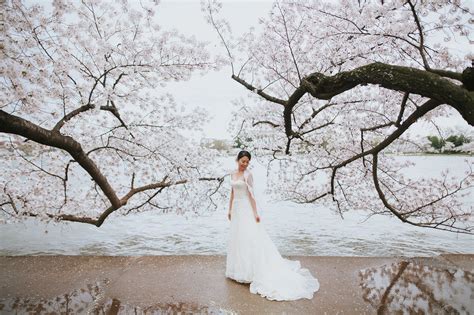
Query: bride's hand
229	215
257	218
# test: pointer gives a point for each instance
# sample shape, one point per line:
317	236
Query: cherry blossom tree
336	83
88	126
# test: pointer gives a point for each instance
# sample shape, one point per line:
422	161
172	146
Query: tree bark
398	78
16	125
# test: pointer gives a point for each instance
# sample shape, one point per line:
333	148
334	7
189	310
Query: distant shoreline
297	256
430	154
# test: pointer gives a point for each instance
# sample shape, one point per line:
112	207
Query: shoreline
401	257
197	284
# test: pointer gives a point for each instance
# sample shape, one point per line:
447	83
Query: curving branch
436	86
221	36
16	125
388	124
259	91
421	47
288	105
267	122
113	109
134	191
160	186
71	115
288	40
397	78
419	112
446	223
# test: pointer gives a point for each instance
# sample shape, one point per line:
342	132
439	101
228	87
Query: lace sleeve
249	181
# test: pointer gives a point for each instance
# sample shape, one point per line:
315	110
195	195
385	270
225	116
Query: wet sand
196	284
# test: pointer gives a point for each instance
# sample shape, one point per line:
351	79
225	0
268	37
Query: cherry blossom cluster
96	72
328	144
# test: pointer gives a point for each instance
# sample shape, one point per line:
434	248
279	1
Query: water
295	229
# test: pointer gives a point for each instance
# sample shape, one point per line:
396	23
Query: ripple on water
295	229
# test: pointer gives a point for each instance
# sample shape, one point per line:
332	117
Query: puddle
79	301
91	300
413	288
116	307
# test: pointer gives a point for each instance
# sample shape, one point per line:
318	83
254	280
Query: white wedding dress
253	258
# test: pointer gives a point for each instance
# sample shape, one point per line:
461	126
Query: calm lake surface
295	229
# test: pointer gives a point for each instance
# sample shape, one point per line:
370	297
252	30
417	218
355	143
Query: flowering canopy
91	125
336	83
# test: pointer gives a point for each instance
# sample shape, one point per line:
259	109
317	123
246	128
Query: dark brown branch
261	122
289	104
316	198
405	79
395	78
117	150
221	181
64	217
134	191
16	125
150	198
259	92
316	128
123	201
315	113
447	74
288	144
373	128
72	114
214	24
118	79
113	109
292	101
403	216
100	220
361	30
421	48
289	42
391	123
441	197
419	112
11	202
402	109
132	184
160	185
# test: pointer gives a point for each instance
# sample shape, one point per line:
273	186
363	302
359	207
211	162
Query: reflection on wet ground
79	301
197	285
413	288
115	307
91	300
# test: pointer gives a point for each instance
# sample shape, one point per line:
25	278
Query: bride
251	255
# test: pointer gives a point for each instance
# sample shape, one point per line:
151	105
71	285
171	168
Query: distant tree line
445	145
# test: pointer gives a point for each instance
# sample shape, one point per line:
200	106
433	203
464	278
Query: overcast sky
216	90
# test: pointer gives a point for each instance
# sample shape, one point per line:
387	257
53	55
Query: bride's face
243	163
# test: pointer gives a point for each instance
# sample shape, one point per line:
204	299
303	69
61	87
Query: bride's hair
242	154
